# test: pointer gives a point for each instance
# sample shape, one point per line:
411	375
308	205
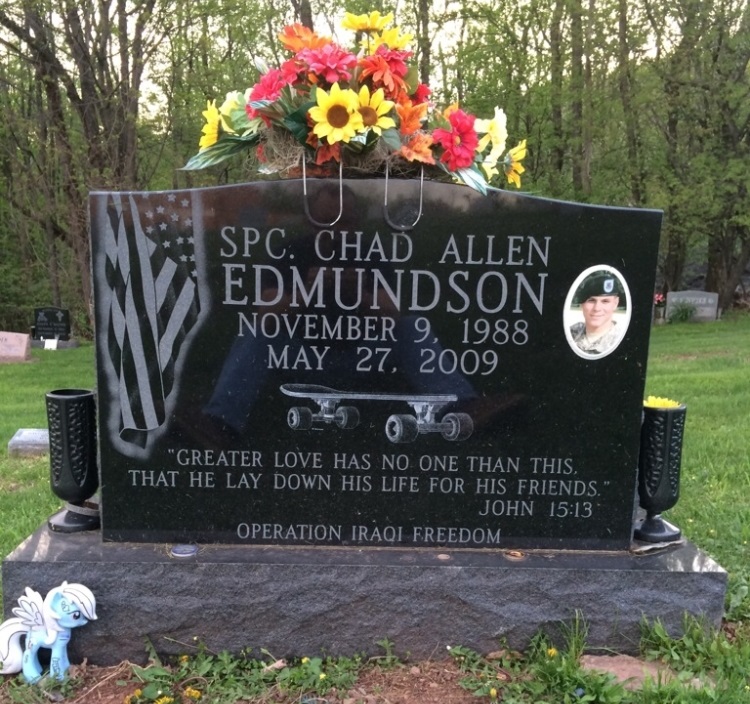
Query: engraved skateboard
399	428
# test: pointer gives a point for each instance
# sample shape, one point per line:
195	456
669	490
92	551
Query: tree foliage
642	103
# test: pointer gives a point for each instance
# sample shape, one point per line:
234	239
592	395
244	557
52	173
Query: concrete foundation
304	601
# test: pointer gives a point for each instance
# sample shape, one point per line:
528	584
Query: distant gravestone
14	347
704	304
29	442
266	379
51	323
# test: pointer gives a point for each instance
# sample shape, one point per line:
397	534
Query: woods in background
641	103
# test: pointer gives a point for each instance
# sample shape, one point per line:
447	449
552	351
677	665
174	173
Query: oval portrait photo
597	312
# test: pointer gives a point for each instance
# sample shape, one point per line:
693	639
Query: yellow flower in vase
659	402
336	115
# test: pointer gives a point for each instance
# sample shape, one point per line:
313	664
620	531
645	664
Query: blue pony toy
46	624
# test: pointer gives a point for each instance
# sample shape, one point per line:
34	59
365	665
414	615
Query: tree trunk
576	104
632	133
556	84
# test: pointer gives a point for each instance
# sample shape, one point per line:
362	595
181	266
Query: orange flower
411	116
296	37
379	71
418	149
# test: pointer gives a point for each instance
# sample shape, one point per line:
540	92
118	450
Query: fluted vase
659	467
74	472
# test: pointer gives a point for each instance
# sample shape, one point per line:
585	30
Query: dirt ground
428	682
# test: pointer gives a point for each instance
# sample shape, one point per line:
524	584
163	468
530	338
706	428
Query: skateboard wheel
299	418
401	428
347	417
457	426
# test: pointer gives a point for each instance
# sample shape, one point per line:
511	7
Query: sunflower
336	115
374	110
212	127
512	163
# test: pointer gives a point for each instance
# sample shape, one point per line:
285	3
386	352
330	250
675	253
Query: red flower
421	94
459	142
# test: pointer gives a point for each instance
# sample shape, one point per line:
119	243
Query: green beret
600	284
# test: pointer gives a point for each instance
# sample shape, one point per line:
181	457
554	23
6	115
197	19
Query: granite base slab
303	601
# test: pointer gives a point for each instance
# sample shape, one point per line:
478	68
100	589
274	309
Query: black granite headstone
263	379
51	323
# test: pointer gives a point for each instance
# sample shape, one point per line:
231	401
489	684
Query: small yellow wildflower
164	700
658	402
493	693
551	652
305	661
322	676
184	659
192	693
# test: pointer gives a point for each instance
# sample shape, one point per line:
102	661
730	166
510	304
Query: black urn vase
659	471
74	472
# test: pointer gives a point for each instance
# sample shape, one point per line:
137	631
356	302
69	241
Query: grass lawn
706	366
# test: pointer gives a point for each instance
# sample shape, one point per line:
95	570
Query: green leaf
391	139
412	78
152	691
227	146
240	121
296	122
473	178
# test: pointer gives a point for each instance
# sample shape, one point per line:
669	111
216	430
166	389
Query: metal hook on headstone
304	197
396	226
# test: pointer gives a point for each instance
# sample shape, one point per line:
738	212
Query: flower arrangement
329	105
659	402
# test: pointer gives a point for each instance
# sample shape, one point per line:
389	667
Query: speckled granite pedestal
343	600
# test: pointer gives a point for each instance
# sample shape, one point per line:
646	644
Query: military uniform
598	284
594	344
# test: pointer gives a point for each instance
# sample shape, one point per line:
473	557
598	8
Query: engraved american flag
151	272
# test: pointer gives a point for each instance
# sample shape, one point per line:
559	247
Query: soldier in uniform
600	297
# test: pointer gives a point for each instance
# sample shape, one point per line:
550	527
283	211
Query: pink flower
268	87
330	63
459	142
292	71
